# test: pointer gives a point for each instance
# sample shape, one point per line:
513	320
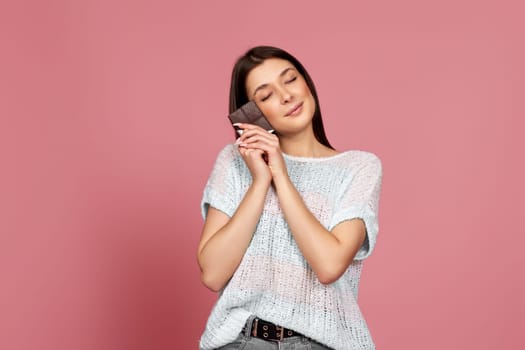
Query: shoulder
362	164
228	153
228	149
229	159
361	158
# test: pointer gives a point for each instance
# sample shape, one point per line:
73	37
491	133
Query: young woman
288	221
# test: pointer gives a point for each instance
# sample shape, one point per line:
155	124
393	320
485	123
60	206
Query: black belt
268	331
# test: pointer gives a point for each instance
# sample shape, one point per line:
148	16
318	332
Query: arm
224	240
328	253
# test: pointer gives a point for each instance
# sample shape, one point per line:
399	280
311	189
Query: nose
286	96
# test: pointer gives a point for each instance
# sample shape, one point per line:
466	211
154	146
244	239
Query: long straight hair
256	56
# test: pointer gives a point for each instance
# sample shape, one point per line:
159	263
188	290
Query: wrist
263	183
281	179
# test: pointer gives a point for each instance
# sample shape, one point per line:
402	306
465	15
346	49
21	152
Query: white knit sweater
273	280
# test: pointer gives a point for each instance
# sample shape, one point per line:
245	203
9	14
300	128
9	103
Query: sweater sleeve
220	190
360	199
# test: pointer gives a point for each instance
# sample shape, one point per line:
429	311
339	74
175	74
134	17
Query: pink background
112	113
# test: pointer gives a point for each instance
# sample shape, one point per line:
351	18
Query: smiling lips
295	110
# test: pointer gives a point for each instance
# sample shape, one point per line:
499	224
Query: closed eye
291	80
266	97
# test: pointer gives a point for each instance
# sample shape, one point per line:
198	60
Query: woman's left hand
255	137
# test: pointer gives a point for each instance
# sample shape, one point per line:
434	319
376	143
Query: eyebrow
262	86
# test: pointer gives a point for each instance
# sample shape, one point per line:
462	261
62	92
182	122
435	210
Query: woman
288	221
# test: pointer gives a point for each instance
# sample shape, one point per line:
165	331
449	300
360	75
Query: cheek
309	96
271	111
306	91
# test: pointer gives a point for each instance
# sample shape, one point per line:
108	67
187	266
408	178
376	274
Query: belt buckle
280	333
254	327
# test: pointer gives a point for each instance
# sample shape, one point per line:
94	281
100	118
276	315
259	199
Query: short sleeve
220	190
360	199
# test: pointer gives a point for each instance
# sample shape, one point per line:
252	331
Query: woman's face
282	94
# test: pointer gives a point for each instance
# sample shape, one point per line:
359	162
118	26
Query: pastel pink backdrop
112	113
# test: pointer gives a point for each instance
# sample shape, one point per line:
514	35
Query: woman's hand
255	138
255	162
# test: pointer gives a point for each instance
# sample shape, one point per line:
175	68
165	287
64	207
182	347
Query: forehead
266	72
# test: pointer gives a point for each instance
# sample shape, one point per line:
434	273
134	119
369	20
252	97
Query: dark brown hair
254	57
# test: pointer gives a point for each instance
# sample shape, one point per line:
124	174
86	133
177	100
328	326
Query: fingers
250	152
247	126
256	144
251	129
254	135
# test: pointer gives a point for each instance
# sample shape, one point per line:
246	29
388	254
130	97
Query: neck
302	145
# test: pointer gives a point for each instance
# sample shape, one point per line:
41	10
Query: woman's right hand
256	164
224	239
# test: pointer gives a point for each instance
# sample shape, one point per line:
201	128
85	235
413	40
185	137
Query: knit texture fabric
274	281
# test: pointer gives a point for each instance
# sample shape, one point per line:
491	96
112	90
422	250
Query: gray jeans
245	341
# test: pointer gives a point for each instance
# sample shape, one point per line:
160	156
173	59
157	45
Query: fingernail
236	124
